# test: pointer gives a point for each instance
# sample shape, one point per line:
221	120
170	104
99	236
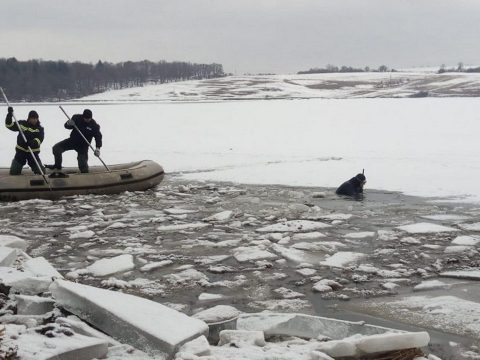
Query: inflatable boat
136	176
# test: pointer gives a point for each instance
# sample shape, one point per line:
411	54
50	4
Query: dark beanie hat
33	115
361	177
87	113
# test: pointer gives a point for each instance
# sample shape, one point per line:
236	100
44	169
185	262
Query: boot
16	168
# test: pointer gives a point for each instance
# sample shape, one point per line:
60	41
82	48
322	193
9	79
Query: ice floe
425	228
360	235
12	241
466	240
244	253
294	226
129	318
343	258
178	227
110	266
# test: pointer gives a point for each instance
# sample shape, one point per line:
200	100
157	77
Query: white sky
281	36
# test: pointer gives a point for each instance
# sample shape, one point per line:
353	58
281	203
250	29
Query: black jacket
90	130
33	133
352	187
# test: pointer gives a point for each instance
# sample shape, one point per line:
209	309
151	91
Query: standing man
90	129
34	135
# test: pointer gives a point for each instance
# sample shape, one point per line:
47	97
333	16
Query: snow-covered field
329	86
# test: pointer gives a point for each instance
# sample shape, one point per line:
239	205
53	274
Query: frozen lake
280	153
426	147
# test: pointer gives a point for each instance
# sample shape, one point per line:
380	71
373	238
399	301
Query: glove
96	152
10	110
70	122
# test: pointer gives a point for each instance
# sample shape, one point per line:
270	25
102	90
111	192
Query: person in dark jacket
34	135
90	129
352	187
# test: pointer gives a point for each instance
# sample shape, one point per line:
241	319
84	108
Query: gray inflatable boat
136	176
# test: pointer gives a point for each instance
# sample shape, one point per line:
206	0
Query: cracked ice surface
185	239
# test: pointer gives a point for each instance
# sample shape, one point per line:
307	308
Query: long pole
83	136
39	167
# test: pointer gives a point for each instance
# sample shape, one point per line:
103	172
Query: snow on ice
425	228
12	241
105	267
342	259
294	226
117	313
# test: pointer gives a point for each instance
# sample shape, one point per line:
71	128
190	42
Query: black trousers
66	145
21	158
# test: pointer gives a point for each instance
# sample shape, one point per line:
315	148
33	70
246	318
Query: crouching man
88	127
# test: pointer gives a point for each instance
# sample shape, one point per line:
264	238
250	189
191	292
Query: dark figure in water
352	187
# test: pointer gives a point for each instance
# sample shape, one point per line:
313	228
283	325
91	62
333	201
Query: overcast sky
281	36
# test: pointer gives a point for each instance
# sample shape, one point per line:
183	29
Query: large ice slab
241	338
342	258
449	314
360	235
305	326
252	253
217	314
145	324
81	327
41	267
294	226
33	305
314	235
13	242
446	217
105	267
196	347
59	346
7	256
218	318
466	240
190	226
221	216
425	228
473	274
23	282
390	342
373	344
471	227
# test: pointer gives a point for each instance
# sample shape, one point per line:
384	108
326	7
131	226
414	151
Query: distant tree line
460	68
39	80
345	69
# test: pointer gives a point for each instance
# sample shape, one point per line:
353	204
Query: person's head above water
361	178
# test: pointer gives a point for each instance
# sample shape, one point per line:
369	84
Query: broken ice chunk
105	267
129	318
425	228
